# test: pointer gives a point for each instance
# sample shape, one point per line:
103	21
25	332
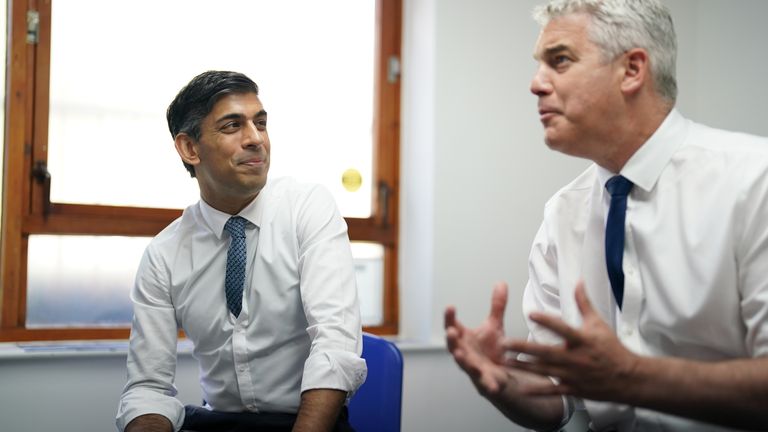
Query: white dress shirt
695	256
299	328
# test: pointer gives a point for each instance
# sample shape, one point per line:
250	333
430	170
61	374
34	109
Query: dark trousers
199	419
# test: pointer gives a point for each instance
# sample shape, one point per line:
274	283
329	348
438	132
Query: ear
186	147
636	70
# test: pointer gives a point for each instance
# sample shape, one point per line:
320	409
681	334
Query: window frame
27	210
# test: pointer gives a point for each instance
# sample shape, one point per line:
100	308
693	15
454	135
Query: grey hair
620	25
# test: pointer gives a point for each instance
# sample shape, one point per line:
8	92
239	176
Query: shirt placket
628	320
242	367
240	336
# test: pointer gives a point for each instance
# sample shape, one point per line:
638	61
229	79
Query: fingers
557	366
453	330
460	343
550	354
450	320
531	348
529	389
582	301
571	335
488	383
478	370
451	338
449	317
486	376
538	368
498	303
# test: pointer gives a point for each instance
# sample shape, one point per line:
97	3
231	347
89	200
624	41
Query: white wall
72	393
475	177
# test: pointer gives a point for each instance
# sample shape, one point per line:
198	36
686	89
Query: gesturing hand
591	363
480	351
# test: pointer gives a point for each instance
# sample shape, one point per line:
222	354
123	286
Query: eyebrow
549	52
232	116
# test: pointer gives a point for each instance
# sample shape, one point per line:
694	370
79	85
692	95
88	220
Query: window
91	174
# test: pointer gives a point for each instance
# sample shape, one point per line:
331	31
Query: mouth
252	161
546	114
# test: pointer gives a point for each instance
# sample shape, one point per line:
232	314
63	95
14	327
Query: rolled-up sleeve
541	294
752	240
329	296
151	361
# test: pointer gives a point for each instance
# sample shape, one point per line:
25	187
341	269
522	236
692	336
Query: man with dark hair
647	296
258	274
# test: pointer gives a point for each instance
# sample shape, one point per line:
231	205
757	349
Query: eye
230	127
261	124
560	60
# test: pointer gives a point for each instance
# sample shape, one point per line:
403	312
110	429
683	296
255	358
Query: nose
540	84
253	136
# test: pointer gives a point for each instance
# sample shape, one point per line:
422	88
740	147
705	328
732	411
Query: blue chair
376	407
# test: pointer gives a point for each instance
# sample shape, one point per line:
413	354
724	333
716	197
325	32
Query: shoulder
575	194
737	156
181	230
721	142
294	192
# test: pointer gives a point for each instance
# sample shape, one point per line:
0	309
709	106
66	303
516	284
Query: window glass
81	280
72	281
369	271
111	81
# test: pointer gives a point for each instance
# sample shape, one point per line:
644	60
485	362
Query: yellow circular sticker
351	179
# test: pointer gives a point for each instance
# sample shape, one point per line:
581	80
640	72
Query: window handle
41	175
384	192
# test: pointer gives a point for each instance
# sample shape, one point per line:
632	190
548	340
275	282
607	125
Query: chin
566	146
258	185
553	144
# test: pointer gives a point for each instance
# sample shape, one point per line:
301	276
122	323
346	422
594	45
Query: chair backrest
376	406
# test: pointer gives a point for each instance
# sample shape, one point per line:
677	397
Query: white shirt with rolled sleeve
299	328
695	256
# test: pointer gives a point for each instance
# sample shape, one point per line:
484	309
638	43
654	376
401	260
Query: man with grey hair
647	298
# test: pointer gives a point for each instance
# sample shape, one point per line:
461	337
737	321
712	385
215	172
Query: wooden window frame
27	210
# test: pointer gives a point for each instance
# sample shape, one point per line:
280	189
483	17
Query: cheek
583	107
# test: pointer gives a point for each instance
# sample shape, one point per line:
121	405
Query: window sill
27	350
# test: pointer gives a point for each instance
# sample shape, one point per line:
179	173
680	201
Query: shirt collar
644	167
253	213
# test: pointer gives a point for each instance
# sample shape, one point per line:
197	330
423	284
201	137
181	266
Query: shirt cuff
337	370
139	402
569	407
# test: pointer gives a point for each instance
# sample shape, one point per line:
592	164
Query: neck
230	205
638	125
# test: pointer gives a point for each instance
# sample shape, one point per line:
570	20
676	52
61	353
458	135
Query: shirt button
242	368
627	331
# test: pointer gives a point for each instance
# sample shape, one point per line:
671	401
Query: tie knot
618	186
235	226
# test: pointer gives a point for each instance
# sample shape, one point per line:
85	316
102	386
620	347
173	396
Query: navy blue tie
619	188
236	256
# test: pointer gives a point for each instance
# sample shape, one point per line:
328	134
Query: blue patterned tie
619	188
233	281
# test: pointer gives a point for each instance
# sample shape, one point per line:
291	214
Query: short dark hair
196	100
